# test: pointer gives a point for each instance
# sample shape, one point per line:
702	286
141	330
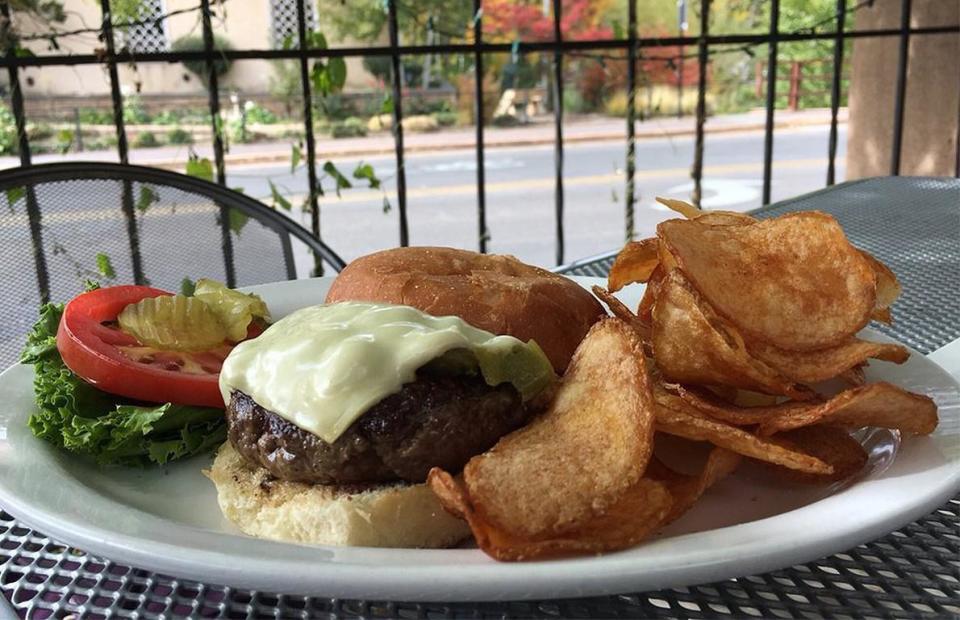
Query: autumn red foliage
511	20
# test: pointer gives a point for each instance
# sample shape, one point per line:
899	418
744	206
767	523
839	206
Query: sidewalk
541	132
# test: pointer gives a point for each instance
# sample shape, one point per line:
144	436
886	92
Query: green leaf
337	69
14	194
278	199
366	171
105	266
295	156
320	79
387	106
23	52
288	42
386	205
618	32
342	181
147	197
201	168
316	40
237	220
187	287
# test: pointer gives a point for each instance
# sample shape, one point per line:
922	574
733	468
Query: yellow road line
426	192
579	181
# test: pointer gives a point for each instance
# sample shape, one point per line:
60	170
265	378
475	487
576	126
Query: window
149	33
283	19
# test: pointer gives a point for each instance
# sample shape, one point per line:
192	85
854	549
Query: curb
607	136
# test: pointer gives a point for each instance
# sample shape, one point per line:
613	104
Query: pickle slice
236	310
174	323
523	365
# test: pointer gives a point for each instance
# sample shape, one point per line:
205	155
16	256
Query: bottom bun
400	515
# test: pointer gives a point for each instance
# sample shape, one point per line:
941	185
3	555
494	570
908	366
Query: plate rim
607	574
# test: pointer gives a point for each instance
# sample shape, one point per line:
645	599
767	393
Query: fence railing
631	46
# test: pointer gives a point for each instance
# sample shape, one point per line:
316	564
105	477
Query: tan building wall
932	96
246	25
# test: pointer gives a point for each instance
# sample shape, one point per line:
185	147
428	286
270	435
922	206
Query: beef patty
431	422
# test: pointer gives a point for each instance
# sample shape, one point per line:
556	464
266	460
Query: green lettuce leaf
74	415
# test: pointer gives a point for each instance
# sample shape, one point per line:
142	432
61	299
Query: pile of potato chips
740	324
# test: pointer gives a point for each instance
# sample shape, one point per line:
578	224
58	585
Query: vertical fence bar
835	94
901	92
956	144
631	119
558	124
482	232
213	85
116	98
398	120
23	146
308	128
771	98
702	59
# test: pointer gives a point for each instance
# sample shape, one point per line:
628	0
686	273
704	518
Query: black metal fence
631	47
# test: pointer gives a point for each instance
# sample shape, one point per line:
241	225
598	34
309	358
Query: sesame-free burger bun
493	292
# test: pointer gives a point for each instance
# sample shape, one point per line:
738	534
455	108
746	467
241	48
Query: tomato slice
94	349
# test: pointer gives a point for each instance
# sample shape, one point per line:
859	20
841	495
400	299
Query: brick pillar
932	105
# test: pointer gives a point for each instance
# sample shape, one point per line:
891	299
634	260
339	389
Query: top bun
497	293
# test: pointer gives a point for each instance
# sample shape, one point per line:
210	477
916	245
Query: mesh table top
911	224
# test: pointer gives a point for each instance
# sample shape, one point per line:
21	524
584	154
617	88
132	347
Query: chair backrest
57	221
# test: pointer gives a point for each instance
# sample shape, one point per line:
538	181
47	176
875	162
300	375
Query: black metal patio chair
62	223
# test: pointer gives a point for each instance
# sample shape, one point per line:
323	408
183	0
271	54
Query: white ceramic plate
167	520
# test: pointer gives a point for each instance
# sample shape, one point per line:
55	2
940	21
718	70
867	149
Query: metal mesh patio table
912	224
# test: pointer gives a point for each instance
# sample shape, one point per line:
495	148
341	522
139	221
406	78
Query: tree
508	20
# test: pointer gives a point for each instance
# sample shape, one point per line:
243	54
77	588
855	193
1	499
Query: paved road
180	238
520	191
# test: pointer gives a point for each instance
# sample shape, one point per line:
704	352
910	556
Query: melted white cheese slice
322	367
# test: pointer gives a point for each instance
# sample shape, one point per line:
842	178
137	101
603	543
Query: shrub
380	122
64	140
421	105
351	127
657	100
39	131
194	43
179	135
446	119
238	131
259	114
133	111
145	140
8	131
168	117
420	123
96	116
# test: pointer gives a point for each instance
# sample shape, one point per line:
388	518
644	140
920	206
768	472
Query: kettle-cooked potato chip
634	263
686	490
888	289
816	366
829	444
693	345
576	459
792	281
682	424
638	513
882	404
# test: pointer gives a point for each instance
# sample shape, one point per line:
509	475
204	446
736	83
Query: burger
420	358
